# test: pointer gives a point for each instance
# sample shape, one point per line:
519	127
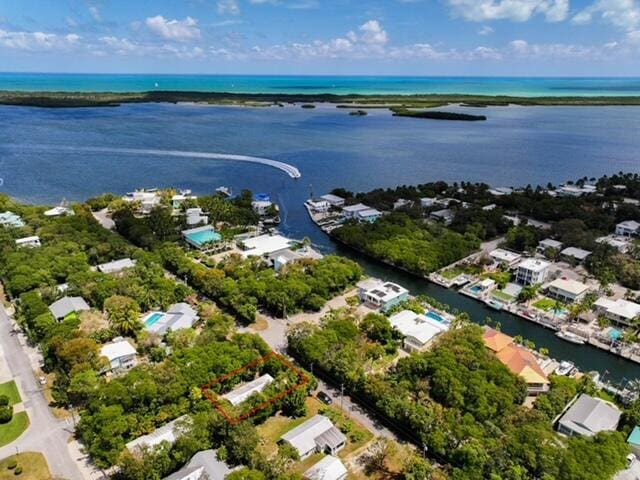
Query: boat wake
290	170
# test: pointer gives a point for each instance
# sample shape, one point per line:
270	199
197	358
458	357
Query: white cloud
516	10
373	33
37	41
95	13
125	46
228	7
624	14
179	30
522	48
486	30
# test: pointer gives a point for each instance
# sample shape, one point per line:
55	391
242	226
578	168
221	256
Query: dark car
324	398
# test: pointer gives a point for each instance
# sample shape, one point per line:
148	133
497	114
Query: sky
308	37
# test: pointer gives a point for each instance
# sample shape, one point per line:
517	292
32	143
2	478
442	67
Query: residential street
46	434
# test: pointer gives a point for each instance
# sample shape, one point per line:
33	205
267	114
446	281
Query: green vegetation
405	242
14	428
32	465
10	390
435	115
545	304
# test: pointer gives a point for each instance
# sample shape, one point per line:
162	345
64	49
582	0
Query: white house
120	353
261	207
418	330
401	203
318	205
244	391
178	200
588	416
548	243
369	215
567	290
500	191
445	215
180	315
196	216
67	305
10	219
428	202
318	434
287	256
351	211
506	257
334	200
116	266
329	468
32	242
382	295
532	271
148	199
204	465
574	253
628	228
622	312
265	245
622	244
167	433
58	211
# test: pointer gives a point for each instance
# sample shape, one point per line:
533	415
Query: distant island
436	115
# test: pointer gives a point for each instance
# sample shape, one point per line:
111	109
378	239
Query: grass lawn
500	295
12	430
34	467
451	273
10	389
545	304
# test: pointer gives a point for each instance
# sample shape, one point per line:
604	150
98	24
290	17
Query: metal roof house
10	219
116	266
329	468
169	432
67	305
180	315
243	392
588	416
574	253
121	354
32	242
318	434
203	465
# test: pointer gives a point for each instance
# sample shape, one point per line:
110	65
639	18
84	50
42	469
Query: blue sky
390	37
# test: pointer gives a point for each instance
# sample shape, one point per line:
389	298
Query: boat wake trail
290	170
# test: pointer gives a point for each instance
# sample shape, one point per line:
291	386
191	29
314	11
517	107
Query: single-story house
500	191
418	330
32	242
622	244
588	416
180	315
628	228
67	305
488	208
204	465
265	245
318	205
334	200
575	254
169	432
195	216
178	199
532	271
116	266
148	199
567	290
621	311
427	202
445	216
634	440
244	391
58	211
575	191
201	237
318	434
382	295
10	219
506	257
369	215
513	219
351	211
286	256
401	203
120	353
548	243
329	468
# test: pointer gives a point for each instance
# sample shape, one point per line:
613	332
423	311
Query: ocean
515	86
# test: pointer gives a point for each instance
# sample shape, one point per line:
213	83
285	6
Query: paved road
46	433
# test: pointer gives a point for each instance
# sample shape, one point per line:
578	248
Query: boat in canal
570	337
565	368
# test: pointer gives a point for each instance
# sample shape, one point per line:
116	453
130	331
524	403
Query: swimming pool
154	318
204	236
435	316
615	334
475	289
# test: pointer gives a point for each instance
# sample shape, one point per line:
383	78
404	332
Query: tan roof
495	340
522	363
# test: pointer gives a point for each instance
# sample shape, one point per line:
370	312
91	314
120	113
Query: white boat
570	337
564	368
496	305
226	191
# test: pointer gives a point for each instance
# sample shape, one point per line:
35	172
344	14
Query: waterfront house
505	257
32	242
58	211
381	295
445	216
169	432
334	200
574	254
350	212
120	353
588	416
402	203
204	465
532	271
329	468
549	243
517	359
180	198
417	330
318	434
244	391
369	215
180	315
567	290
628	228
195	216
116	266
201	237
10	219
621	312
265	245
148	199
500	191
318	205
575	190
634	440
261	203
67	305
284	257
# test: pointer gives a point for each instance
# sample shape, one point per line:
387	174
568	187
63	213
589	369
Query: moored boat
570	337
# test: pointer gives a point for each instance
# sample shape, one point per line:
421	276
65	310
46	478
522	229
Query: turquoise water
153	319
434	316
615	334
200	238
476	289
523	86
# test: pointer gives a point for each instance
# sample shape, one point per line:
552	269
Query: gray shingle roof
588	416
207	465
67	305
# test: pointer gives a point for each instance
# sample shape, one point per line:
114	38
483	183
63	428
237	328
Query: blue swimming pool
475	289
204	236
435	316
615	334
154	318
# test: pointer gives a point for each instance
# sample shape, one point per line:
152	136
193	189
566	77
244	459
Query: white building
506	257
318	434
120	353
287	256
116	266
180	315
532	271
500	191
628	228
588	416
574	253
148	199
567	290
10	219
418	330
351	212
241	393
31	242
265	245
369	215
401	203
178	200
548	243
167	433
622	312
318	205
334	200
195	216
382	295
428	202
622	244
575	191
329	468
261	207
445	216
58	211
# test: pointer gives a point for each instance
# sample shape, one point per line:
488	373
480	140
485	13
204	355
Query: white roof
355	208
504	255
575	252
550	243
117	350
303	437
630	224
116	265
167	433
621	307
420	327
32	239
241	393
332	198
487	282
571	286
385	291
369	212
444	213
329	468
533	265
265	244
57	211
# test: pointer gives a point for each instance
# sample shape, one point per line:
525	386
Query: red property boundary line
214	398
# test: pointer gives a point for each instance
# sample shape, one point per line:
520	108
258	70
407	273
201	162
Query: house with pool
418	330
201	237
180	315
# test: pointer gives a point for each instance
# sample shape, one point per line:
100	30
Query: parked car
324	398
